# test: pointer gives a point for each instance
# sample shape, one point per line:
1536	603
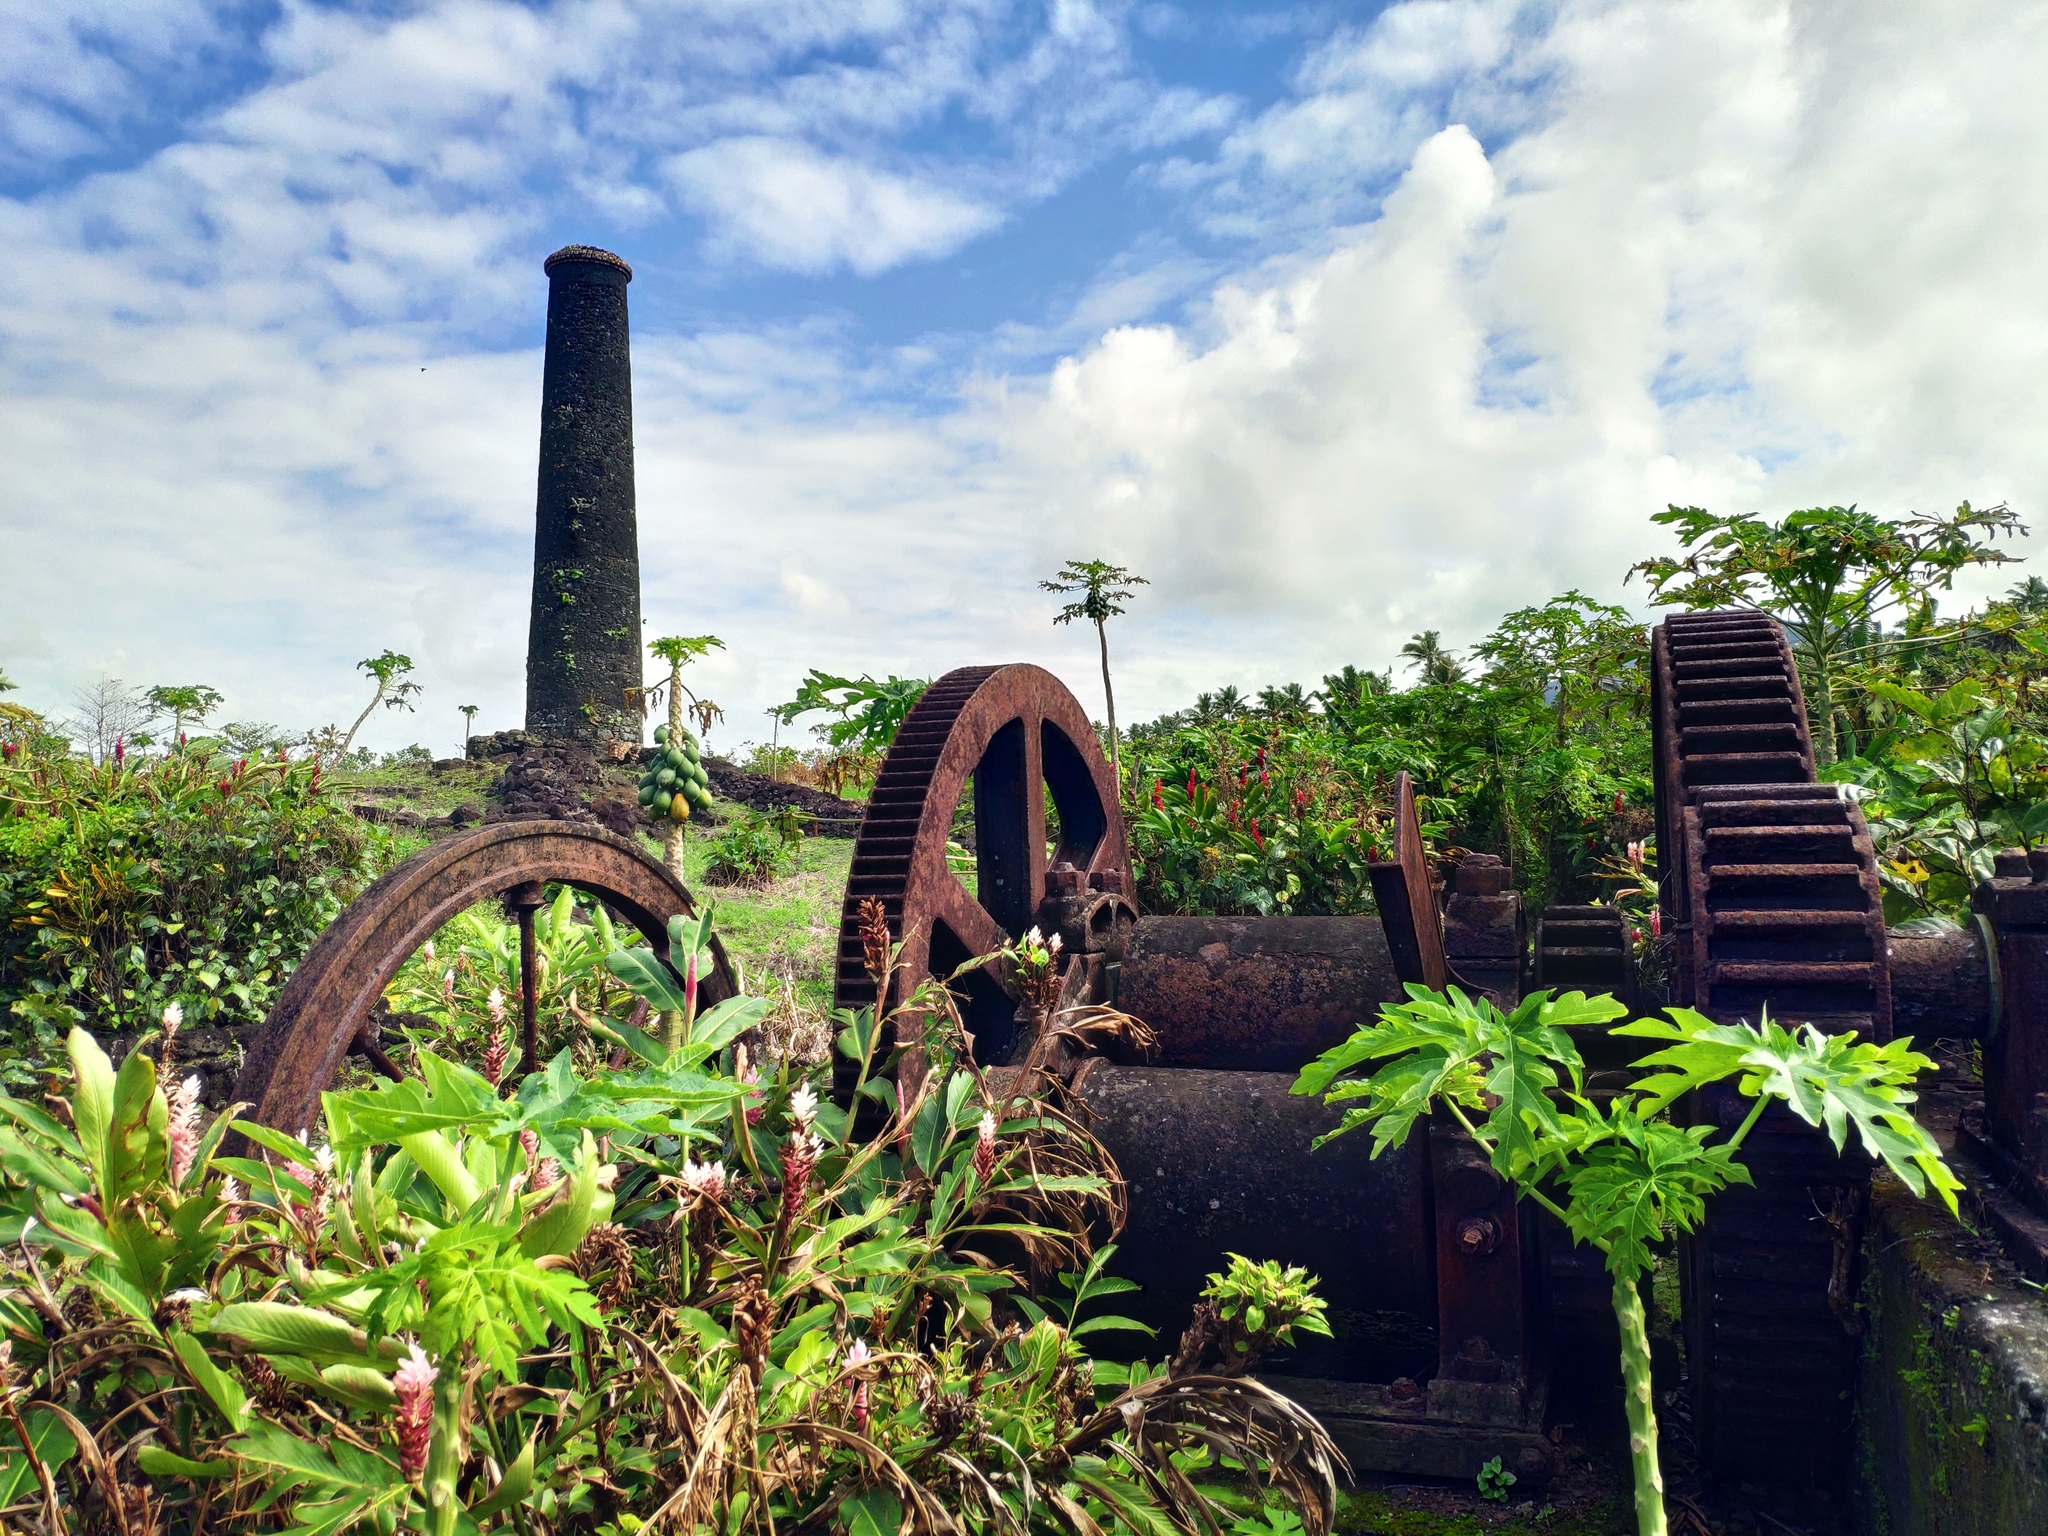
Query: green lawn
788	930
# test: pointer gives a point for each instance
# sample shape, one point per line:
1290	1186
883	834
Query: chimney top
589	253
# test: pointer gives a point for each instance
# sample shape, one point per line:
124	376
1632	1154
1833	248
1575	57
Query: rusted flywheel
324	1012
1012	736
1768	883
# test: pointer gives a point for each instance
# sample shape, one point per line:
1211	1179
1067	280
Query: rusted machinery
1448	1303
327	1011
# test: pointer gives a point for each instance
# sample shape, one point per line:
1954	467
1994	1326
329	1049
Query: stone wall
1952	1405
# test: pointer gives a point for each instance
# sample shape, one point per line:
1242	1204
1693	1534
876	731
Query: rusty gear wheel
323	1014
1015	737
1768	882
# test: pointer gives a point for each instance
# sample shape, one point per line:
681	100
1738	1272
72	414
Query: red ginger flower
1191	783
1158	795
985	1148
413	1381
857	1355
1255	833
799	1158
184	1128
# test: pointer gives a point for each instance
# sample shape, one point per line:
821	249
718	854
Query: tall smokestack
583	646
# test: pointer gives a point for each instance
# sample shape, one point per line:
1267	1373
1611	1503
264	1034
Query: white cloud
1748	258
1741	254
786	205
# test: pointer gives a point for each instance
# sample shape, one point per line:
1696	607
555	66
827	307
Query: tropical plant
672	785
193	701
1948	782
457	992
464	1311
1615	1170
395	689
468	713
1103	590
869	712
149	880
753	850
1435	667
1265	824
1829	572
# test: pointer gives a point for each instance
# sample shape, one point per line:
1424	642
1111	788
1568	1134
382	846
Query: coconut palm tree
1434	666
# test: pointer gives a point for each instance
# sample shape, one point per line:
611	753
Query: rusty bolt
1477	1236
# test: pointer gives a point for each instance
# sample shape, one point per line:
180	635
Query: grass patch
786	930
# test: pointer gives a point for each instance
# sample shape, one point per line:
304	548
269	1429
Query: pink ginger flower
705	1181
1620	802
857	1355
184	1128
800	1156
319	1183
543	1172
803	1107
494	1057
494	1005
985	1147
448	986
413	1381
750	1077
120	750
1656	922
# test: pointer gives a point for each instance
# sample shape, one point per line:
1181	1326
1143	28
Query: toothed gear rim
1015	732
1768	884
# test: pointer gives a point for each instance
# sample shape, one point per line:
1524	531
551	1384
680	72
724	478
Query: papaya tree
1829	573
1619	1174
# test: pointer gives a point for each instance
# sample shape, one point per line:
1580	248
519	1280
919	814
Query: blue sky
1338	322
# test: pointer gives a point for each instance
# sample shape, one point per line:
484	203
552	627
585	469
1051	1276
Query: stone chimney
583	647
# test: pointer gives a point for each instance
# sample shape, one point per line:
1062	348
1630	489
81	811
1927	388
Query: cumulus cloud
786	205
1734	263
1427	338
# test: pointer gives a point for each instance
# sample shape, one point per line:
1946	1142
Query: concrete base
1952	1407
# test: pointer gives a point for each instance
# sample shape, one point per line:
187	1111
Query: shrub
143	881
464	1311
755	849
1264	824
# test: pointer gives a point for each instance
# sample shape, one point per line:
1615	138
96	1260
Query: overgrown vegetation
465	1311
1615	1170
183	878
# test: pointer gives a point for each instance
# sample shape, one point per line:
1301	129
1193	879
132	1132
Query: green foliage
754	849
1542	758
1103	590
1627	1177
463	1312
1265	1302
145	881
192	702
869	712
1495	1481
453	992
1268	824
